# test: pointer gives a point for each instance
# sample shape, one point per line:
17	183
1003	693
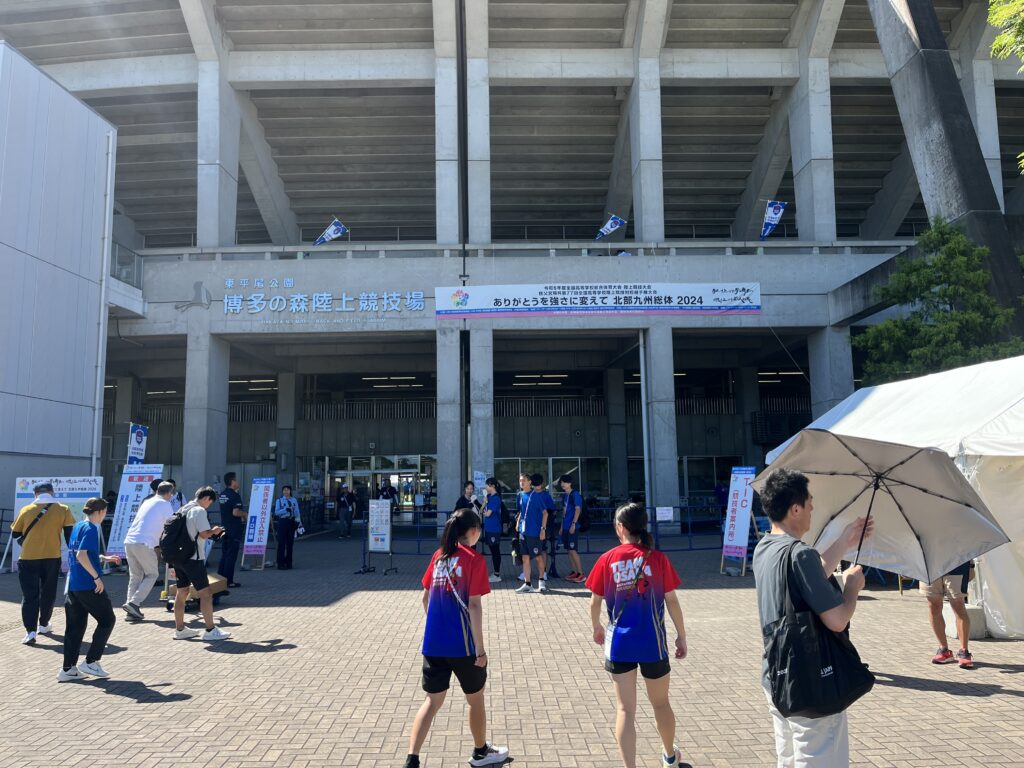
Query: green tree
952	319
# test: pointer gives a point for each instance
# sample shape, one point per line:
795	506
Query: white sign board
736	531
470	301
380	525
257	528
72	492
663	514
134	488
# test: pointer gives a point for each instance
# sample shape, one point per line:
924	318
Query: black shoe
158	583
234	584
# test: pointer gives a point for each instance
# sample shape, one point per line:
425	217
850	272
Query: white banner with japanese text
134	488
257	528
72	492
469	301
737	513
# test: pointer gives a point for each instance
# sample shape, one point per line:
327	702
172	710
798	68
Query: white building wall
53	177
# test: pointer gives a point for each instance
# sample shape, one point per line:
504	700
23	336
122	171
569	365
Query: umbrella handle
867	519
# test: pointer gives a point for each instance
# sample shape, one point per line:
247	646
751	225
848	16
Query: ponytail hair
460	522
93	505
633	517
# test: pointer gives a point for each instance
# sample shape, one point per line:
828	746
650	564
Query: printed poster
257	528
134	489
72	492
737	513
380	525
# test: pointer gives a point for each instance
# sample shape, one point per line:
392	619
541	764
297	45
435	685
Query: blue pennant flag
334	231
610	226
772	215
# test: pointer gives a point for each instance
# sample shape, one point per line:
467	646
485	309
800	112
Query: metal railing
164	413
693	405
788	404
126	265
521	407
538	249
369	409
249	412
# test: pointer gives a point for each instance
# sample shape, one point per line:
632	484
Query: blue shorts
531	547
570	540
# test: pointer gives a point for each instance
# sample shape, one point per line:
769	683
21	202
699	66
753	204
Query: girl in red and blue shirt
453	641
637	583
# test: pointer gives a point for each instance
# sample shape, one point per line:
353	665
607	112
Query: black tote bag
812	671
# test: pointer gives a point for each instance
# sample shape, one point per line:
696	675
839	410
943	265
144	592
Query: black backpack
176	545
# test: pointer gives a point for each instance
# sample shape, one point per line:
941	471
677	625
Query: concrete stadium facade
243	127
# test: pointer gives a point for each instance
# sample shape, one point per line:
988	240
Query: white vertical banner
380	526
736	531
257	528
134	488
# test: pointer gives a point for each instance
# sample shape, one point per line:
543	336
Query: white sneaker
522	576
494	756
67	675
29	639
185	634
524	588
45	629
93	668
494	578
216	633
542	587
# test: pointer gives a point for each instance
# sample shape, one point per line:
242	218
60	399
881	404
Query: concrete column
661	417
645	150
810	133
217	156
446	147
450	463
749	401
207	363
127	399
618	456
831	363
481	399
287	416
978	83
478	108
948	158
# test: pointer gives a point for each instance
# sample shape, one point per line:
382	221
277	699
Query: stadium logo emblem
460	299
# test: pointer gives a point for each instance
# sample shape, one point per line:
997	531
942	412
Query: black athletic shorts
531	546
437	673
651	670
191	573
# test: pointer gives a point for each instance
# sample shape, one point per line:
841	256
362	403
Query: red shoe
964	659
580	578
943	656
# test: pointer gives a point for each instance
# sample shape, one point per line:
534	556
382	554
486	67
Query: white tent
976	415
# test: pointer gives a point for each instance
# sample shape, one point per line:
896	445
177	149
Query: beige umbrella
928	518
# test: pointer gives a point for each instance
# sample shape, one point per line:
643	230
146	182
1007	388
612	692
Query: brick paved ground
323	670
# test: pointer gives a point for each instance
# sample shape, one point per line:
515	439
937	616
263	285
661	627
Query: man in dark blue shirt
232	518
570	527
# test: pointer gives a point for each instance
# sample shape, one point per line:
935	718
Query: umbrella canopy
928	518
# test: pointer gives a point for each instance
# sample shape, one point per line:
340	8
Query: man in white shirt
140	545
191	572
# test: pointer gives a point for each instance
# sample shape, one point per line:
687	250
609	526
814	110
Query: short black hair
567	479
155	484
285	486
783	488
468	483
172	480
229	478
43	488
206	492
536	479
493	482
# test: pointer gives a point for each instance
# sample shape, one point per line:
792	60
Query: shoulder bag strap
789	609
32	525
451	586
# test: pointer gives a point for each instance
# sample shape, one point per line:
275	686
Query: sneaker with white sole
521	576
542	587
212	635
133	610
45	629
92	668
492	756
29	639
67	675
675	760
524	588
185	634
494	578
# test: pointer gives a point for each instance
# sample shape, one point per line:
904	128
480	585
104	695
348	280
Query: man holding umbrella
821	742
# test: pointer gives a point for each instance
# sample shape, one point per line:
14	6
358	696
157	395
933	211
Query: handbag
21	537
812	671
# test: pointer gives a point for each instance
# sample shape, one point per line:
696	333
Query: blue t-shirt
230	500
532	516
492	523
572	500
84	536
448	632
